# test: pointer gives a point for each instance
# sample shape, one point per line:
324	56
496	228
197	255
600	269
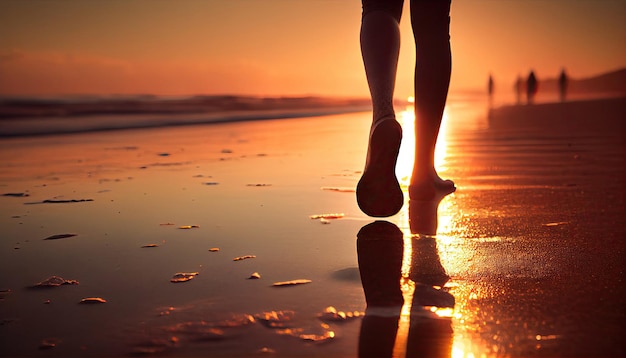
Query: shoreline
46	126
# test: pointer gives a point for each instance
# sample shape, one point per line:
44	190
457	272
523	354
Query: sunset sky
284	47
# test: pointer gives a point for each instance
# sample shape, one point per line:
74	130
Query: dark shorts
394	7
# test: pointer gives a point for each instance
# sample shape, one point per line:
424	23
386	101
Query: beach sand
532	241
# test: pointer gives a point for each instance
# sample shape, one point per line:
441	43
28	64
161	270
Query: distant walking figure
563	85
531	87
518	89
490	89
378	192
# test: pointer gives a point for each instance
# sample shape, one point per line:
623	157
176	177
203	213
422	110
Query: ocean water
23	116
75	114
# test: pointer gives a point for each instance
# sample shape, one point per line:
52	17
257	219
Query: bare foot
378	192
430	187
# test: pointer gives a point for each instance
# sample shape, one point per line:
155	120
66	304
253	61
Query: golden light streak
441	149
406	157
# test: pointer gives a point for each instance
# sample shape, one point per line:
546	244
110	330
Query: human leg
378	191
430	21
380	48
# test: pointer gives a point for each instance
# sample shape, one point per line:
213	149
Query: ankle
384	118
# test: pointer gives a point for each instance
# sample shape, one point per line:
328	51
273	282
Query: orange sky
284	47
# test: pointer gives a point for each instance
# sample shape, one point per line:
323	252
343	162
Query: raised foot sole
378	192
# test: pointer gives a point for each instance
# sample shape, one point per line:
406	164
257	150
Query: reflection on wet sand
409	310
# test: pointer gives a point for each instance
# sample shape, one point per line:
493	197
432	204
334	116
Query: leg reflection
429	337
426	266
429	334
379	247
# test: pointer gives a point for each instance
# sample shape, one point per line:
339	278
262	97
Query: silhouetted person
563	85
378	192
490	88
519	84
531	87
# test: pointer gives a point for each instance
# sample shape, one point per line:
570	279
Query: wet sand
532	242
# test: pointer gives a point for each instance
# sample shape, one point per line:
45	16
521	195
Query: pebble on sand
149	245
187	227
254	276
214	249
183	276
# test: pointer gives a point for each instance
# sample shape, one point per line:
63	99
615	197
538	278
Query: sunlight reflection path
451	251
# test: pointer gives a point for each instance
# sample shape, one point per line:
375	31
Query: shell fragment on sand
327	216
183	276
60	236
59	201
245	257
309	337
555	224
331	314
339	189
254	276
54	281
16	195
291	283
48	343
214	249
93	300
154	346
187	227
149	245
275	319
